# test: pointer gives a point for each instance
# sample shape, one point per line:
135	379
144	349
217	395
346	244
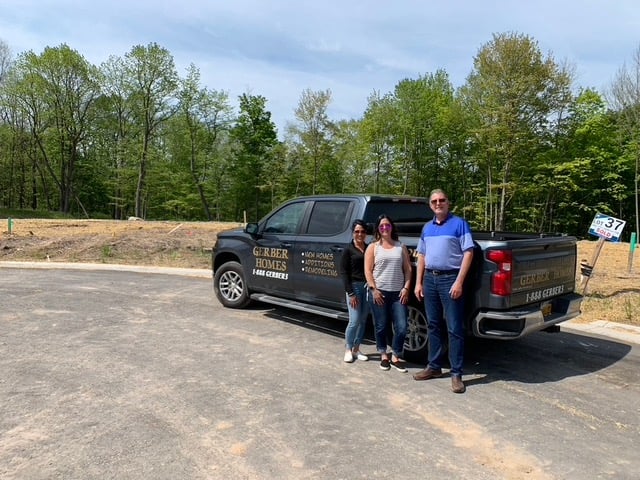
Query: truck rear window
328	218
400	211
408	215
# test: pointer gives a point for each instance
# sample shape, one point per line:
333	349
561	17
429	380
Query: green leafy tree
459	171
56	91
420	132
274	178
6	60
625	99
581	175
151	83
9	156
254	138
514	91
351	154
418	138
197	133
377	131
312	143
116	136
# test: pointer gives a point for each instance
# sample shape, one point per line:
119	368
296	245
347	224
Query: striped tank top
387	268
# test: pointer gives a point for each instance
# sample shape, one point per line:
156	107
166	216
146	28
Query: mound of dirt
167	244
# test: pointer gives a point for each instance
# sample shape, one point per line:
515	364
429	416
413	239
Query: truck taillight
501	280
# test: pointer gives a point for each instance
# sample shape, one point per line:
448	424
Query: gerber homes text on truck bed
518	283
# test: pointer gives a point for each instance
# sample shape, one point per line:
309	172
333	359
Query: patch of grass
107	251
631	309
621	308
6	213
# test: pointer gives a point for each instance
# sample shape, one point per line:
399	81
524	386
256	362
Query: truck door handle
285	245
337	248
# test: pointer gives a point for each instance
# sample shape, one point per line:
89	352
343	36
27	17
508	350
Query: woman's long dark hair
394	234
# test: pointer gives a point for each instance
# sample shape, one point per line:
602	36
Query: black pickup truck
519	283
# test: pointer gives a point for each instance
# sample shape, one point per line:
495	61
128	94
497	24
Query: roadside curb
618	331
185	272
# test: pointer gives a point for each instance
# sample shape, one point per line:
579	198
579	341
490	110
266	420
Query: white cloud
279	48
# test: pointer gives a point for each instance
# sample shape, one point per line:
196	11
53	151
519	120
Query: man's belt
442	272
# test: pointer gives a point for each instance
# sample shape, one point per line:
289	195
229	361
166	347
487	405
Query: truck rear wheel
416	343
230	286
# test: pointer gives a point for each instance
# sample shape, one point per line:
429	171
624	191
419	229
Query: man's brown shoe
457	385
427	374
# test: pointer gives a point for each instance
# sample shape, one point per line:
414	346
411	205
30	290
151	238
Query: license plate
546	309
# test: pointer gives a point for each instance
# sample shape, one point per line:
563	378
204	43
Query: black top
352	267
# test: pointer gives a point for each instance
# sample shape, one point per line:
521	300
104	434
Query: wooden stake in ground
589	268
174	229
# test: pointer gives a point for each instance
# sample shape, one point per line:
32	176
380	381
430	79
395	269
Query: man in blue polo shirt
445	251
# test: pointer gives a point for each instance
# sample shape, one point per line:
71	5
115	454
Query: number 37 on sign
606	227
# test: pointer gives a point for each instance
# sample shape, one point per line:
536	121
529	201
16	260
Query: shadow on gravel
539	358
311	321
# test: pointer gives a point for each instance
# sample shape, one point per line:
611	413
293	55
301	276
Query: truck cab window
285	220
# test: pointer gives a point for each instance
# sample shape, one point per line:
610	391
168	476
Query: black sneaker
399	365
384	364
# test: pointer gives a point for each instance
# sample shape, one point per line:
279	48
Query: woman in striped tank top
388	273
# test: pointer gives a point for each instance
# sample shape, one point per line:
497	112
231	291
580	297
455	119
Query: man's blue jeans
354	332
443	311
390	311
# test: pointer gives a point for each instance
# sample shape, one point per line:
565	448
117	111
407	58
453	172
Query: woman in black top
352	272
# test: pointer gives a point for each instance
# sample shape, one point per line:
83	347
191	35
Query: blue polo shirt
443	244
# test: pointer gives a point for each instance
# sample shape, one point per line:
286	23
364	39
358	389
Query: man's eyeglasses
438	200
359	232
384	226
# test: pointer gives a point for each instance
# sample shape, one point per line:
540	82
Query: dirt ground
167	244
613	290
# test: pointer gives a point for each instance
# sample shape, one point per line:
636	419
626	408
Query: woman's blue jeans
390	311
356	327
443	311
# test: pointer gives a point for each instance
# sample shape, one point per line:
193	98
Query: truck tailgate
532	283
542	270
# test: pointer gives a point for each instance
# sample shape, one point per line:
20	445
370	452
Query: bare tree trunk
636	198
488	213
142	179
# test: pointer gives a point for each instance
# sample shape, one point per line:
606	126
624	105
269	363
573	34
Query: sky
279	48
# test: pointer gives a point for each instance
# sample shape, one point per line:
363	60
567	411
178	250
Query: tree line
517	147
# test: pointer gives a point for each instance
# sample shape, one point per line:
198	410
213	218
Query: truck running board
304	307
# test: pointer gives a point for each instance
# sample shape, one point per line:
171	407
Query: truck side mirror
251	229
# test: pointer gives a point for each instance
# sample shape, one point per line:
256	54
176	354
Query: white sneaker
361	356
348	356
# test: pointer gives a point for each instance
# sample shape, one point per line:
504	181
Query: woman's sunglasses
384	226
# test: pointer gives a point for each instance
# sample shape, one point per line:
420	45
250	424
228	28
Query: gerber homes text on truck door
519	283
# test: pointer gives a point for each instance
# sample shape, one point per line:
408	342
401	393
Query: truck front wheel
230	286
416	343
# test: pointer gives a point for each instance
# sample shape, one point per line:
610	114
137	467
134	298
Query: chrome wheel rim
231	285
417	337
